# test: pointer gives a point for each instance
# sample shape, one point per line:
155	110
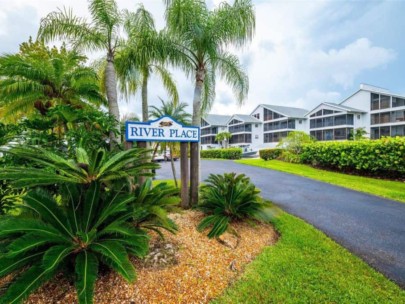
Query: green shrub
295	141
269	154
231	153
87	229
226	198
290	157
383	155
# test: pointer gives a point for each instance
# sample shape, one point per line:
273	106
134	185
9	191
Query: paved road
371	227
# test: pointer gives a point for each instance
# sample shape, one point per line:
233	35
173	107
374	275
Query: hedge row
383	155
231	153
269	154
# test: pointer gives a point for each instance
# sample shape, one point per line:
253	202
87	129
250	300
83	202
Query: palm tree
201	36
142	56
40	78
177	112
101	34
224	137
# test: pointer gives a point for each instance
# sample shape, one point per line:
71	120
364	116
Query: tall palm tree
101	34
40	78
201	37
142	56
177	112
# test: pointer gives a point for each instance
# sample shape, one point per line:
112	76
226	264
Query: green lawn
389	189
305	266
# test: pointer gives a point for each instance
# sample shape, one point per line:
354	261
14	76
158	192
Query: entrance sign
162	129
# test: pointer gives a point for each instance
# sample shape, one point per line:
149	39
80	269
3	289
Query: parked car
164	157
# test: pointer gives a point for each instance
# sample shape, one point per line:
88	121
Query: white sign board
162	129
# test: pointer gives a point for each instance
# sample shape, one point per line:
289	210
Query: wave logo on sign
162	129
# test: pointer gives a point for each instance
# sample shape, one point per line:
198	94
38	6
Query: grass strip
305	266
389	189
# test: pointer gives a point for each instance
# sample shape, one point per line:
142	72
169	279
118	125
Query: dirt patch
184	268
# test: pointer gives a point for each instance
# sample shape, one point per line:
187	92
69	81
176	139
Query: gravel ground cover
183	268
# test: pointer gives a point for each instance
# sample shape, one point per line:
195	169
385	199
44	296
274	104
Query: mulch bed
183	268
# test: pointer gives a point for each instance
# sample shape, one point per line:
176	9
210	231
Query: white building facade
376	110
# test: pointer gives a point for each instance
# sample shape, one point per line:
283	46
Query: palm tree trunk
111	89
172	163
145	110
195	147
184	175
144	93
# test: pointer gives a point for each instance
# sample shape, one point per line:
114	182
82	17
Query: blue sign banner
162	129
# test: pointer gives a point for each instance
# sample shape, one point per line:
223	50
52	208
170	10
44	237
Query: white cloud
304	52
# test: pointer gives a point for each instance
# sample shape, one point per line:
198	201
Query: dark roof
216	120
287	111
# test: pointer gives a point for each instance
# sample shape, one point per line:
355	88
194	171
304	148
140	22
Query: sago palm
39	78
101	34
227	198
200	37
143	55
52	168
86	231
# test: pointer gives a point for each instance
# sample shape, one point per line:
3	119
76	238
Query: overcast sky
304	52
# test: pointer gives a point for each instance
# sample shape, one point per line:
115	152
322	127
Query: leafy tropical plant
101	34
143	55
50	168
38	78
295	141
200	38
151	205
9	197
227	198
358	134
224	137
87	230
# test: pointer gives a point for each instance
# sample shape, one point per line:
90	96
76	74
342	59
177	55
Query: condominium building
245	130
211	125
330	121
376	110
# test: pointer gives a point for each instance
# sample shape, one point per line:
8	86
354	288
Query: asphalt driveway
371	227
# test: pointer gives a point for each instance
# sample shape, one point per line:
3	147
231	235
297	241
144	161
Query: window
385	117
319	113
375	133
398	102
327	112
375	119
328	135
300	121
375	101
398	131
204	123
328	121
349	120
291	124
398	116
256	125
340	134
340	120
385	131
283	124
268	115
256	136
385	102
234	122
257	115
